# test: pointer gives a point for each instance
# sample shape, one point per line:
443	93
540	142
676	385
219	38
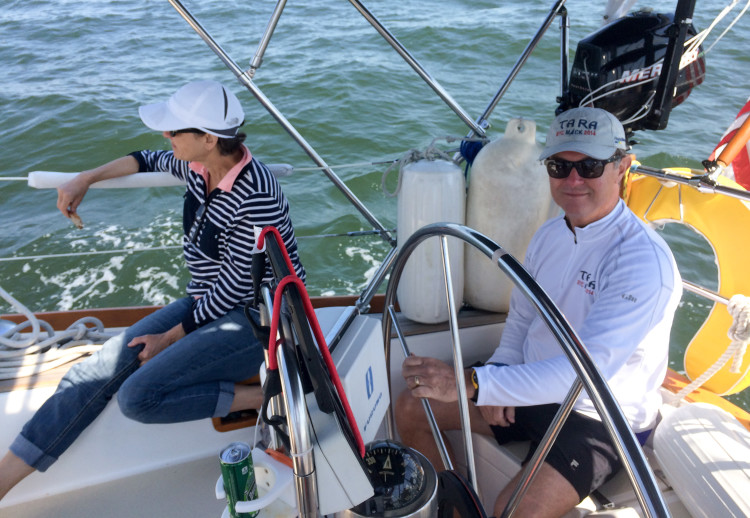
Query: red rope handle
315	325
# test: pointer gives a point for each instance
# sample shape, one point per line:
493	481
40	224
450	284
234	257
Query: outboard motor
617	68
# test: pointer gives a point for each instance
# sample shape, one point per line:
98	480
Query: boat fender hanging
431	191
508	199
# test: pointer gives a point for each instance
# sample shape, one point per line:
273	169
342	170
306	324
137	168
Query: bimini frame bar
699	180
623	439
418	68
266	38
247	81
557	9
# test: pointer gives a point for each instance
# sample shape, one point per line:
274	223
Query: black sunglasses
174	133
587	168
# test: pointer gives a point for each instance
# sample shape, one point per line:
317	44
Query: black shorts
582	452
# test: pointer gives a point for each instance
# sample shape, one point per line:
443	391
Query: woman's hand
71	193
154	344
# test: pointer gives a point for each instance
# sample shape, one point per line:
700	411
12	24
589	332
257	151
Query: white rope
411	156
414	155
739	334
32	354
25	312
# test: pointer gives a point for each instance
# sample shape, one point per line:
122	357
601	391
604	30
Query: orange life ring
723	221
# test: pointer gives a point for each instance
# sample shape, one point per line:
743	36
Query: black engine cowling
617	68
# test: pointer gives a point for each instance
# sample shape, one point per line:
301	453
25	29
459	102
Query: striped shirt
219	230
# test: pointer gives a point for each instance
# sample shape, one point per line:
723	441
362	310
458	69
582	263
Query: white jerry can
431	191
508	200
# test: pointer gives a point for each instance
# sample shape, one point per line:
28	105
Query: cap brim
159	117
594	151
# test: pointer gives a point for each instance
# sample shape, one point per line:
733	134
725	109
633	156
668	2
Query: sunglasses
587	168
174	133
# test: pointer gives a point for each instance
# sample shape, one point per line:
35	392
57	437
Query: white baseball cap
591	131
204	105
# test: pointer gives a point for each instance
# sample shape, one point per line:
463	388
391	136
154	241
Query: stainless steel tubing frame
564	48
425	404
363	302
458	366
266	38
418	68
531	468
247	81
622	436
298	422
701	181
557	8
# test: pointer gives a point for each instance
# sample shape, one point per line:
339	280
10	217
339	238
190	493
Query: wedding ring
416	381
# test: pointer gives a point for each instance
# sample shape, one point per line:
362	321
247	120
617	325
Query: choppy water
75	71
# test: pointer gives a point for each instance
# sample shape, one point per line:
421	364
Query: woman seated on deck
617	283
185	361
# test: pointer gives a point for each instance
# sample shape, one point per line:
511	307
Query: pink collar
227	182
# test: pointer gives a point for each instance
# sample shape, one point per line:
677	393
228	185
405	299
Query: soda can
239	477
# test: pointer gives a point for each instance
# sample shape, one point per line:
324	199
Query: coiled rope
739	334
28	354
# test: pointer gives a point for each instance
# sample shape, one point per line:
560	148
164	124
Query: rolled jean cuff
226	396
30	454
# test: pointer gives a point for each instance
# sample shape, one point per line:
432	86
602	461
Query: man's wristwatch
475	382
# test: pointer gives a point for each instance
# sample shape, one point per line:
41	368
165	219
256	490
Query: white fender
705	454
508	200
431	191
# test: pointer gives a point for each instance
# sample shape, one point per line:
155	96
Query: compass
404	481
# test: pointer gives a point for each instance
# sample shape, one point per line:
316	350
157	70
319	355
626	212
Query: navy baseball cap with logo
591	131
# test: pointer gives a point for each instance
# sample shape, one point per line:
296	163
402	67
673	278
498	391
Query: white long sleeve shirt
617	283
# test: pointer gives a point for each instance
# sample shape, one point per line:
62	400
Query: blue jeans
192	379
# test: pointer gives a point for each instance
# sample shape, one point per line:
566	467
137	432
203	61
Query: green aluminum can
239	477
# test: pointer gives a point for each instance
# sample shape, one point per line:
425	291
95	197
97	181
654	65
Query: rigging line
344	166
736	19
354	233
92	252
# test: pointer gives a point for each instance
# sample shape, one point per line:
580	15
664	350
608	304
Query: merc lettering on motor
641	74
654	71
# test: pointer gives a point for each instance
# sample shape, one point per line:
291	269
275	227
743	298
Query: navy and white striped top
218	230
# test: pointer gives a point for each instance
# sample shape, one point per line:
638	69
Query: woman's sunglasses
587	168
174	133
